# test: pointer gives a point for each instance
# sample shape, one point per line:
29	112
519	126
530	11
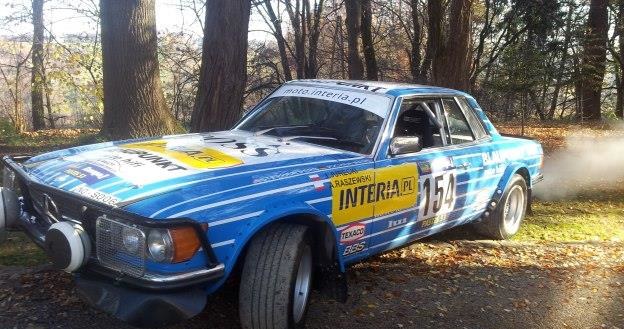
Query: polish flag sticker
318	183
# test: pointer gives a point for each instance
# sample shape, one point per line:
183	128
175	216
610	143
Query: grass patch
596	217
18	250
51	139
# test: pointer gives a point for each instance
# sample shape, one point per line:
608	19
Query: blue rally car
319	175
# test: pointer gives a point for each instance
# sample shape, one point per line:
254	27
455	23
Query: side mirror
405	144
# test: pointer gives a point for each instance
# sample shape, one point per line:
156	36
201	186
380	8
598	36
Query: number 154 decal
438	194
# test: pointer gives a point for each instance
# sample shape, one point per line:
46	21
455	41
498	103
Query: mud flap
529	209
332	283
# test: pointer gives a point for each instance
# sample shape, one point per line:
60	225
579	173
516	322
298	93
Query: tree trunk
354	29
485	32
562	64
314	29
296	20
223	71
415	43
452	69
594	57
619	106
134	104
619	97
38	114
279	37
341	47
434	41
577	88
48	103
367	41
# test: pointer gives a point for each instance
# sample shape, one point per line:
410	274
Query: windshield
342	122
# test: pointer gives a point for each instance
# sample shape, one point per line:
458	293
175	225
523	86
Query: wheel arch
324	234
512	169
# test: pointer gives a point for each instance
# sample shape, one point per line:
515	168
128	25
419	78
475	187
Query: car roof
389	88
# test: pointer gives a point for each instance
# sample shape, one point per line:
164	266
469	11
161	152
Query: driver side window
413	121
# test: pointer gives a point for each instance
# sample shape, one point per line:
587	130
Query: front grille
111	251
66	208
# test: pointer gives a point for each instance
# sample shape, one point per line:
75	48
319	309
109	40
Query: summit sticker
193	156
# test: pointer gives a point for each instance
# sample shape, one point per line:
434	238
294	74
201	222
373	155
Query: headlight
160	245
115	241
8	178
120	247
131	239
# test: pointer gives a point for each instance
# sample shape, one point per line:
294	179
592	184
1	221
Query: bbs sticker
354	248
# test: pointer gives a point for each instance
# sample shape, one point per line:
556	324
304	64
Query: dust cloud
586	163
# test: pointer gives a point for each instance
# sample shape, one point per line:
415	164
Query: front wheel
505	220
277	278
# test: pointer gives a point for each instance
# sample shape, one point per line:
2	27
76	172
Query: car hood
119	173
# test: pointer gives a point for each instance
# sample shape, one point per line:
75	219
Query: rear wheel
276	279
505	220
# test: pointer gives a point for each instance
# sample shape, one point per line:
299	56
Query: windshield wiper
264	131
289	138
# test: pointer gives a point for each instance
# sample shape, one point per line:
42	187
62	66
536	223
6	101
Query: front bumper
139	307
174	296
537	179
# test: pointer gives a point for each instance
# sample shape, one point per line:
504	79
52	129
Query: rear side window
473	120
458	126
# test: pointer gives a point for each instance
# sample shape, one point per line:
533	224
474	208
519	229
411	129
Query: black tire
269	275
494	226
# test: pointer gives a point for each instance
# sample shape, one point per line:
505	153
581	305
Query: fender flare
511	169
297	209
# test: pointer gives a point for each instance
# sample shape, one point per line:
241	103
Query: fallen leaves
553	135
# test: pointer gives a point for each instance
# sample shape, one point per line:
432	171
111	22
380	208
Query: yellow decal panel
373	192
353	196
397	188
194	156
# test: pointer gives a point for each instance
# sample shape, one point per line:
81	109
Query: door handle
464	165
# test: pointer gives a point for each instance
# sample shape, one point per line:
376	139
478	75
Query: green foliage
51	139
527	62
18	250
7	132
91	139
597	217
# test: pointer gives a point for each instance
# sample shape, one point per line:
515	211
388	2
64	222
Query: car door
480	164
441	170
466	149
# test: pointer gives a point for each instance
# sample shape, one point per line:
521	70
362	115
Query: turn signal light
185	243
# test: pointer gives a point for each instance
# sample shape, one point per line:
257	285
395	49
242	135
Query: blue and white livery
319	175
